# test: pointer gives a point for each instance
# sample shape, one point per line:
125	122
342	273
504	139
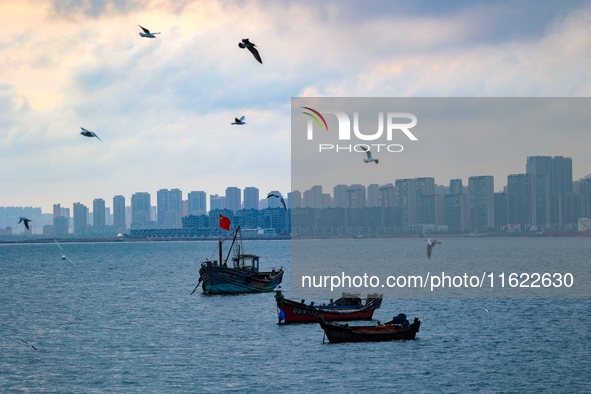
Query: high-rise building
521	200
119	212
60	220
274	202
387	197
140	208
170	208
251	198
455	186
57	210
60	226
294	199
340	196
406	200
373	195
456	212
175	208
98	213
217	202
80	218
427	208
326	200
233	198
585	192
197	201
542	200
481	202
430	209
355	196
313	198
560	182
425	186
501	214
559	169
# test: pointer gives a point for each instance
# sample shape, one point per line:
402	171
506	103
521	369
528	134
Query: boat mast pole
220	243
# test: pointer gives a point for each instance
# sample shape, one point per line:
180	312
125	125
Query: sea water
122	320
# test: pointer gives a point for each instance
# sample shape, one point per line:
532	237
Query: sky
163	106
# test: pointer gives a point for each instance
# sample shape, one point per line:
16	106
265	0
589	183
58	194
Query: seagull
430	245
64	257
147	33
88	133
369	158
251	47
23	219
280	199
27	343
240	121
484	309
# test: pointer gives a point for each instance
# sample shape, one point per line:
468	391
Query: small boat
348	307
397	329
243	276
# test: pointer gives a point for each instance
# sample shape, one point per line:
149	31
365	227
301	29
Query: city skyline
538	187
276	203
163	107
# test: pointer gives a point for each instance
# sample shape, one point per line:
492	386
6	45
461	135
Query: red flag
224	222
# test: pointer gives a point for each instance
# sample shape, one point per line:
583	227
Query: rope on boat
196	286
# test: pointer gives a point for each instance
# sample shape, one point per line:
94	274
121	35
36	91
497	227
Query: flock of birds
146	33
245	44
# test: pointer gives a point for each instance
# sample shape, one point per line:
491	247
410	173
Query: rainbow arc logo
316	117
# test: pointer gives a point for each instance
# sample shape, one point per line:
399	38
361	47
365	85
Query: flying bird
430	245
27	343
147	33
280	197
369	158
251	47
484	309
239	121
64	257
23	219
88	133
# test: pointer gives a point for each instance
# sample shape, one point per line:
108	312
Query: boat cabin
249	262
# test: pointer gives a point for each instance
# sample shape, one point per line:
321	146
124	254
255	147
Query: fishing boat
348	307
241	275
393	330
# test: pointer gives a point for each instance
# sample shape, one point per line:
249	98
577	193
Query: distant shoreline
283	238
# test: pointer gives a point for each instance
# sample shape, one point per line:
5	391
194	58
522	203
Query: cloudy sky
163	107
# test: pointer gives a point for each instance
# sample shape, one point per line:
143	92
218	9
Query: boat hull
225	280
297	312
338	333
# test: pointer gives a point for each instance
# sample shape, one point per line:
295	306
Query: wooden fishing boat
348	307
390	331
241	276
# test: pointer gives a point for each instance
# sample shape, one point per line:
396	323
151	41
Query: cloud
93	8
163	106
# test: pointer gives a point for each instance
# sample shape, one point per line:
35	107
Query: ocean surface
122	320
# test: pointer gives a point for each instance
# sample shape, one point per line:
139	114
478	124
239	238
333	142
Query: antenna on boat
231	246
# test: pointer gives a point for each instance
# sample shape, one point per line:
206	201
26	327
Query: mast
231	246
220	244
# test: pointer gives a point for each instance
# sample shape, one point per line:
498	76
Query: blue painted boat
242	275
